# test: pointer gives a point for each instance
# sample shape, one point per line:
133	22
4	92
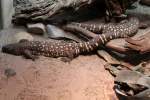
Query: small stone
10	72
37	28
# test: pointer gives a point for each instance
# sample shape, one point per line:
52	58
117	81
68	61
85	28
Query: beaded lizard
32	49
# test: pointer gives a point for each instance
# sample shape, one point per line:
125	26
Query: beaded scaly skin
71	50
105	28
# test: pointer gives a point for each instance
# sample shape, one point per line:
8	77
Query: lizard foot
65	59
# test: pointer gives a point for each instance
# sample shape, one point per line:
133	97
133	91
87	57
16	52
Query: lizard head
14	48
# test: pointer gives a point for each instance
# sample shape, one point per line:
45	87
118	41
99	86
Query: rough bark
42	10
33	10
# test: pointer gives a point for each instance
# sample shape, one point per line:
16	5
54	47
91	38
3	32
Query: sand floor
84	78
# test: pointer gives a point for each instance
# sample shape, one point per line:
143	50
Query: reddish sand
51	79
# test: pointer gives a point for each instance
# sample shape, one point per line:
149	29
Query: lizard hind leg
68	58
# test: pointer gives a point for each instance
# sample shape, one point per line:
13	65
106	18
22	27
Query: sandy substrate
84	78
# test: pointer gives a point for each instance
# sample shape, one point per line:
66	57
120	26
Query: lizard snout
8	49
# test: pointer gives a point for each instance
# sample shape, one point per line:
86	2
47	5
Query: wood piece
107	57
41	10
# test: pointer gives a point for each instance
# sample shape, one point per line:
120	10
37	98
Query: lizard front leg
27	54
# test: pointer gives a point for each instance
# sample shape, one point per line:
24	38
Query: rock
37	28
10	72
13	35
22	35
